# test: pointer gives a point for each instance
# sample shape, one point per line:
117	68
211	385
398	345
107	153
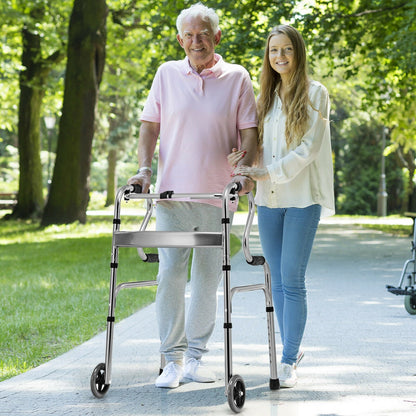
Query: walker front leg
235	389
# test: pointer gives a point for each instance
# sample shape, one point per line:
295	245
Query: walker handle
237	188
137	188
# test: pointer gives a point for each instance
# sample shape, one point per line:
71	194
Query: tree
373	41
120	131
32	83
370	39
69	192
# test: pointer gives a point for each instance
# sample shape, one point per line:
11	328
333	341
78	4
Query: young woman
295	180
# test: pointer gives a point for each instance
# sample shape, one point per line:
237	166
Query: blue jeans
287	236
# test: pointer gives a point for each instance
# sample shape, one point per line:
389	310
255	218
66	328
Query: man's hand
247	185
143	179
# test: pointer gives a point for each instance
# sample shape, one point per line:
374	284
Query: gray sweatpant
190	335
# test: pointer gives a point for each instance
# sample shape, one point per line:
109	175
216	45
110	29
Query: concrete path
360	347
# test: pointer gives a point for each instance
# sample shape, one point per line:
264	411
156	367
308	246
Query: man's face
198	41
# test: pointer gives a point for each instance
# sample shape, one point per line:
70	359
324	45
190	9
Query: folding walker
234	384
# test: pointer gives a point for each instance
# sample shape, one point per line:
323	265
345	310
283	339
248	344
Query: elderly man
202	108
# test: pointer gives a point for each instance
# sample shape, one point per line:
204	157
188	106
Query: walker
234	385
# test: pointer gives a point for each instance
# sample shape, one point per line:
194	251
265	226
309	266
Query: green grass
399	230
54	288
394	229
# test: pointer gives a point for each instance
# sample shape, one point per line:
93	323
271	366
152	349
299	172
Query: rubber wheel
236	393
410	304
97	382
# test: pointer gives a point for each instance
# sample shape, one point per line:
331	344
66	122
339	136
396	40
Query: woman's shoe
287	375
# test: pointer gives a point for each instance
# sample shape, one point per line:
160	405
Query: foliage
377	33
362	50
360	177
373	40
50	23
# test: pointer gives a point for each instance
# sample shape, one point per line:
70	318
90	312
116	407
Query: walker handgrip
257	261
237	188
137	188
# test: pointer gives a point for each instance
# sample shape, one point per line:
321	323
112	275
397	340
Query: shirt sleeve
247	113
151	109
289	166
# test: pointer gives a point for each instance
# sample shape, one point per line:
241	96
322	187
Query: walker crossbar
166	239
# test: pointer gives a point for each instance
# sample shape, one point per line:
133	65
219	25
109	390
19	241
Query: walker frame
234	385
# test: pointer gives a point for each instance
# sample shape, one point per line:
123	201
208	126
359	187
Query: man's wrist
145	169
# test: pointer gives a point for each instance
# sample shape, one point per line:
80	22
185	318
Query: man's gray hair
199	10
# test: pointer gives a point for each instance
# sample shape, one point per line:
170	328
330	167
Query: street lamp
382	194
50	124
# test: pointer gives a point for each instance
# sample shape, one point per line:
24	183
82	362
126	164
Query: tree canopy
362	49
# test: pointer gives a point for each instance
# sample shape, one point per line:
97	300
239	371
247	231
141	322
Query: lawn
54	288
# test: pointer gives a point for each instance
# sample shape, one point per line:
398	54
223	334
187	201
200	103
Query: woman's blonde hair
295	104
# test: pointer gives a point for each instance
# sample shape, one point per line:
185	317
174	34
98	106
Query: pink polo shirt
200	116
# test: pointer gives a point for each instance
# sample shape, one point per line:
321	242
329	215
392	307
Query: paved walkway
360	348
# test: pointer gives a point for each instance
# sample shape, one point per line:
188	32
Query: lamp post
382	194
50	124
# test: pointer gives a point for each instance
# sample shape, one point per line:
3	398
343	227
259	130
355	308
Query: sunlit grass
394	229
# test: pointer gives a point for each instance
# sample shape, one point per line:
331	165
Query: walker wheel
97	382
236	393
410	304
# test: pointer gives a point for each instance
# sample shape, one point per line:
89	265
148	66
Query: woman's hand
235	157
258	174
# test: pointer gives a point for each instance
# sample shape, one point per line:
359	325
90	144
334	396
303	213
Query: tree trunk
69	192
30	198
111	176
407	160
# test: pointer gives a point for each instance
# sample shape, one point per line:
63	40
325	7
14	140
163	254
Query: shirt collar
216	70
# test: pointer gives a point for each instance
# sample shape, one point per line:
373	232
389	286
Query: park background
74	76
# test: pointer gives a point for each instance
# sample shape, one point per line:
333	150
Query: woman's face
282	55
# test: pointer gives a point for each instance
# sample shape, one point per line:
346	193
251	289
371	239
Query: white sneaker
196	371
287	375
170	377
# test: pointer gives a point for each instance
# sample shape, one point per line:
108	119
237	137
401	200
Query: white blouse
301	175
